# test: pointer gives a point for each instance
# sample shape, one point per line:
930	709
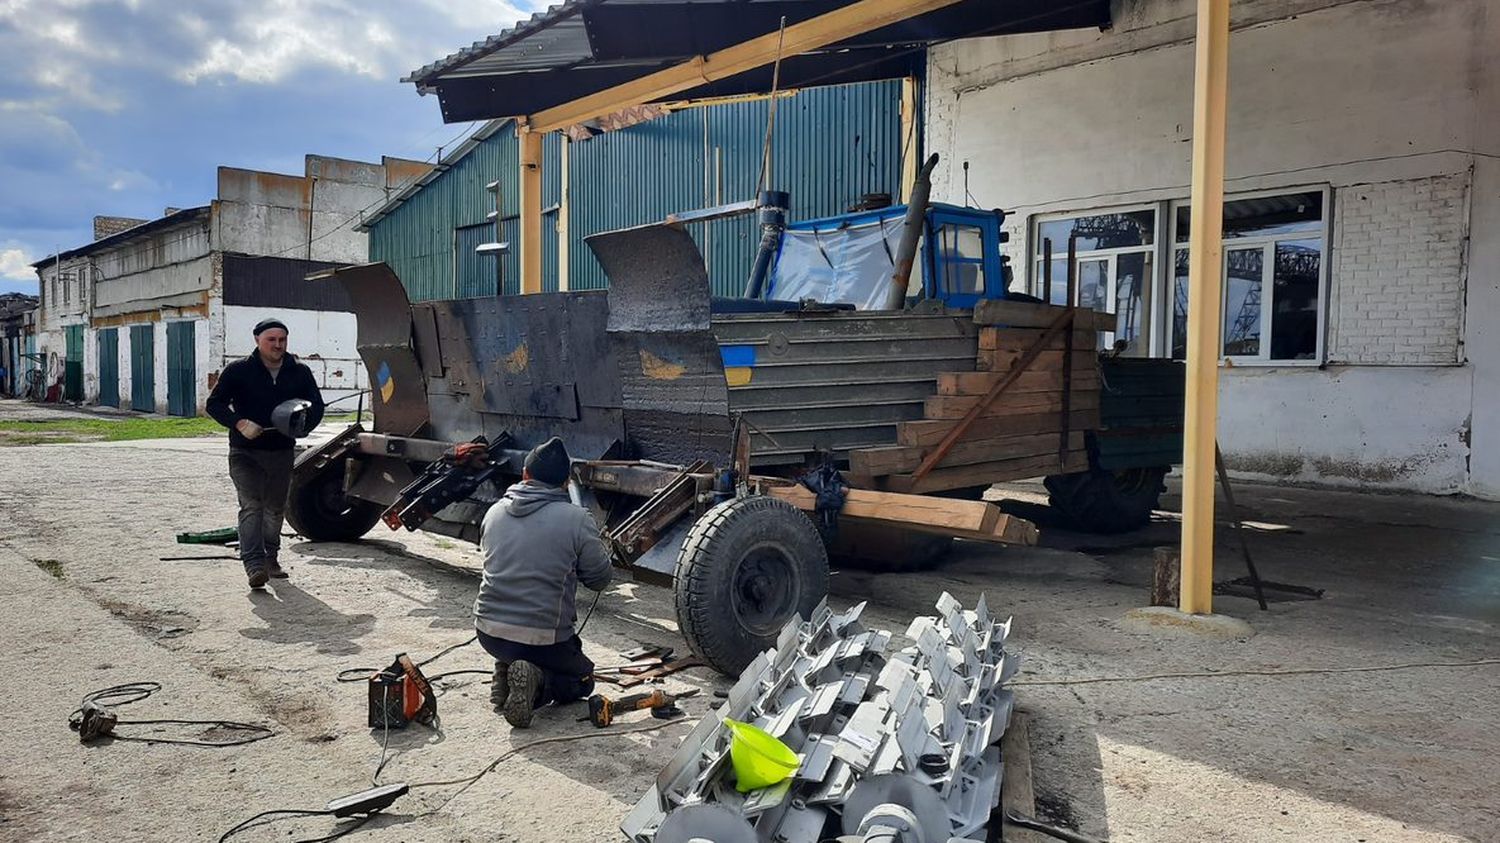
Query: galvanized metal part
894	746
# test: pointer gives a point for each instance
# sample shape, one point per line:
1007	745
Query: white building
147	315
1362	215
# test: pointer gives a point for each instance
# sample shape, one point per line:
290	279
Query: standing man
260	457
537	547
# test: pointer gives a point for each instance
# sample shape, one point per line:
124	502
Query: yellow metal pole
1205	295
910	154
531	210
564	203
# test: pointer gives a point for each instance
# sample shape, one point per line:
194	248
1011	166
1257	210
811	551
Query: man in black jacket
260	457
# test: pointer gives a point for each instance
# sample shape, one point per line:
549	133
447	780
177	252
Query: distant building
147	315
17	315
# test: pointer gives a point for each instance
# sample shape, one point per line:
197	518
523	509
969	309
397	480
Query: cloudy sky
125	107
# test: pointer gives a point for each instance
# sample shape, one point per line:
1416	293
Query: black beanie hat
268	324
548	462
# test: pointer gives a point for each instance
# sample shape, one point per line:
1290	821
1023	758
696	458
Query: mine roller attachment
316	505
1101	501
747	567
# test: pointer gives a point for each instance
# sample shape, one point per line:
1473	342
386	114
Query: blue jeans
566	671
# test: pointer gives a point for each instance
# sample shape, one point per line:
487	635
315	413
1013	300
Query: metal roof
469	144
585	46
184	216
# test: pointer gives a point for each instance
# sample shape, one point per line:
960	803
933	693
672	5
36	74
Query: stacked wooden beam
1033	426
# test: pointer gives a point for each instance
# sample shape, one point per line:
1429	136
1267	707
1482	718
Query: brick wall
1398	271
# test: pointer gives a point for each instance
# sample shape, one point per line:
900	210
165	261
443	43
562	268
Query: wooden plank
1017	793
929	432
1019	314
979	383
964	477
1085	358
944	516
903	459
1020	339
956	406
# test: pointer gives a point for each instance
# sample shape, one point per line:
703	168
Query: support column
563	208
911	152
531	209
1205	295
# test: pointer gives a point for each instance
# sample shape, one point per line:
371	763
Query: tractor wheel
886	550
318	509
1105	501
748	566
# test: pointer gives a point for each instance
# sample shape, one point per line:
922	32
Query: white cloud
15	266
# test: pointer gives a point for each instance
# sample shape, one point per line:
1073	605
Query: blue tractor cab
848	259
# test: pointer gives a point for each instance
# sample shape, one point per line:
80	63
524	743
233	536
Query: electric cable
295	812
1056	831
360	674
131	692
1291	671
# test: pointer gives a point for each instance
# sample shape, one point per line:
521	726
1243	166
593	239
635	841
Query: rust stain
517	361
213	380
658	369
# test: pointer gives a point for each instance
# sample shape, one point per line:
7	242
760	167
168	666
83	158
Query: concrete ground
88	602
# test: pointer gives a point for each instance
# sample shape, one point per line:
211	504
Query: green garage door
109	367
143	368
73	365
182	370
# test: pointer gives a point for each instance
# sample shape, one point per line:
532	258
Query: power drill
663	706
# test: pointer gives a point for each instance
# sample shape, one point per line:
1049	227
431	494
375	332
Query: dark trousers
261	479
566	671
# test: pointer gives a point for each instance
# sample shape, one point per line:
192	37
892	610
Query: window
961	259
67	287
1115	253
1273	277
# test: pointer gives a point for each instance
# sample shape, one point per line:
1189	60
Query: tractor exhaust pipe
911	232
773	205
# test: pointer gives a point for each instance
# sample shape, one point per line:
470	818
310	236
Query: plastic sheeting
839	265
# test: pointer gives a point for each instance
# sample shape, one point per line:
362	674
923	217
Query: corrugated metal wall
833	145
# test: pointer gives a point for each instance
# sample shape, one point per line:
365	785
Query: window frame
1325	231
1148	320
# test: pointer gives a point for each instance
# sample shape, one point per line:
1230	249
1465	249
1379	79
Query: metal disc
705	822
921	800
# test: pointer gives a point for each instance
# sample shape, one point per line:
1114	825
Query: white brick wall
1398	271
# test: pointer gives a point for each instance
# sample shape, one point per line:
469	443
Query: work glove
248	429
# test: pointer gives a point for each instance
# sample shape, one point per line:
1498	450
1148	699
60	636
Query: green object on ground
104	429
224	536
759	759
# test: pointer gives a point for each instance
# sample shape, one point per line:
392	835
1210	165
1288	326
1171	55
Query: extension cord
367	801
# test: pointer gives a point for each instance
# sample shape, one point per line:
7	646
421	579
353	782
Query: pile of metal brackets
896	747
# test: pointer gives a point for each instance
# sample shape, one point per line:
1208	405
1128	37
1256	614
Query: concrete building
147	315
16	341
1362	215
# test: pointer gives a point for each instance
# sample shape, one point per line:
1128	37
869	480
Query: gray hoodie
537	547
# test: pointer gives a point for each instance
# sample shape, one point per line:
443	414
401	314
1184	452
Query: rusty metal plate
383	312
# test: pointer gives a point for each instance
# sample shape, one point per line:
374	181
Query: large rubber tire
1107	502
747	567
884	549
318	509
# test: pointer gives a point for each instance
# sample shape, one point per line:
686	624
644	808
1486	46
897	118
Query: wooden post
1166	577
531	209
1205	297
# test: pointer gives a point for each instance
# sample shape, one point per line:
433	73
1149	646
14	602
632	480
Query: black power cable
131	692
294	812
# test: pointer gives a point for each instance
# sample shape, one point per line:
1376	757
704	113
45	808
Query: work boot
257	576
274	569
500	685
524	687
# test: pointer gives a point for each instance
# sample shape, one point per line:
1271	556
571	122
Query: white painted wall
1393	104
325	340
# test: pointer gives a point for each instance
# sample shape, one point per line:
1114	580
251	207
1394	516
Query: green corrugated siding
833	145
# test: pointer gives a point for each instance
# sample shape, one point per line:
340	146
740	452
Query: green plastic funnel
759	759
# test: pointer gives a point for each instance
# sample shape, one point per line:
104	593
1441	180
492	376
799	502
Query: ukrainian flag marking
386	382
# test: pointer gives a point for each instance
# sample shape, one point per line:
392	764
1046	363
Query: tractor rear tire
1107	501
886	550
318	509
748	566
